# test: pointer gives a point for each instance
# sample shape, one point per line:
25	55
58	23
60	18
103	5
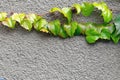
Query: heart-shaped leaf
18	17
70	29
9	22
87	9
106	12
92	39
67	12
105	34
62	33
33	17
92	34
42	23
117	24
26	24
3	15
115	38
54	27
78	30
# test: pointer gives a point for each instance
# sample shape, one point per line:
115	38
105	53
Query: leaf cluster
92	31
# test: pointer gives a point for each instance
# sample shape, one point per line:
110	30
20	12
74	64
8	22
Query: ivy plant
109	30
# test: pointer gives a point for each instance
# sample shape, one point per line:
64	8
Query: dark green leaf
78	30
117	24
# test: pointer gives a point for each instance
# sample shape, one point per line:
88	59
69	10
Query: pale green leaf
42	23
3	15
106	12
70	29
67	12
18	17
9	23
33	17
26	24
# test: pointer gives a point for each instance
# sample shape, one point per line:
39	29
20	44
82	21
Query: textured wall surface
35	56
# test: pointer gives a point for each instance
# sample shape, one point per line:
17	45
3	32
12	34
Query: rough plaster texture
35	56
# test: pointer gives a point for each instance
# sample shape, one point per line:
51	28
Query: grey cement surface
35	56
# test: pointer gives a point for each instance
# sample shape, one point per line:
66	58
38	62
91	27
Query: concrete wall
35	56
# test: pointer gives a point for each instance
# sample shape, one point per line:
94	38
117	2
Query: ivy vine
109	30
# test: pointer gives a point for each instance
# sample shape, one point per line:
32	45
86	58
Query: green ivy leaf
3	15
105	34
117	24
92	39
62	33
106	12
83	28
70	29
77	7
33	17
115	38
26	24
67	12
42	23
9	22
18	17
78	30
87	9
92	34
54	27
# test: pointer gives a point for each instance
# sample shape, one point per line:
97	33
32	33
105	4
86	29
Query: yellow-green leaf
33	17
54	27
67	12
9	23
18	17
77	7
70	29
26	24
42	23
62	33
3	15
106	12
